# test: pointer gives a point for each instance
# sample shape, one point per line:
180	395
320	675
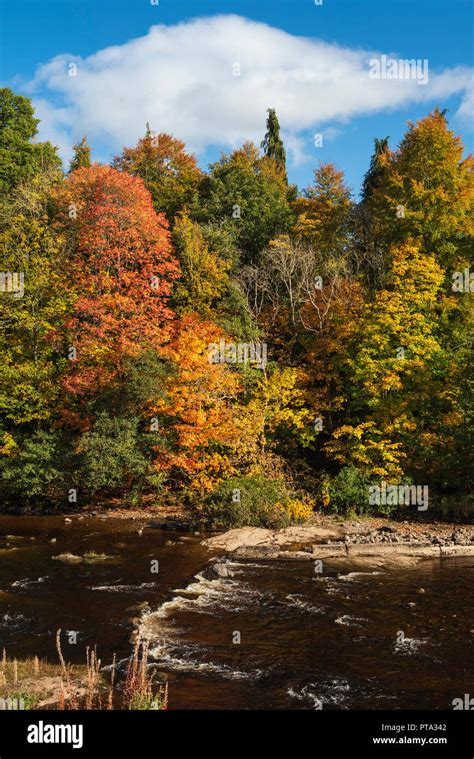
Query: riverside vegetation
119	281
37	684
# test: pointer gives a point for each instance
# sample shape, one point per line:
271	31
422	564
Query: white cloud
180	79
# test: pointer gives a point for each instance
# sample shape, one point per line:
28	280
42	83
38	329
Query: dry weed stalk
72	700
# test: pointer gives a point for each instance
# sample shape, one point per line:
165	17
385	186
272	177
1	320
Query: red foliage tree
121	270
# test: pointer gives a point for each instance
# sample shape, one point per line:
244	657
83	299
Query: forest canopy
221	340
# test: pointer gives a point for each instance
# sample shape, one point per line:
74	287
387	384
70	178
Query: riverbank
356	540
183	517
164	511
322	536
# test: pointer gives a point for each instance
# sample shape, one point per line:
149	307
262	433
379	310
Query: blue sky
182	78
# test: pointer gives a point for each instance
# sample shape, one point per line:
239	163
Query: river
271	635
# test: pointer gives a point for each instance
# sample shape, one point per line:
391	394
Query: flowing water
270	635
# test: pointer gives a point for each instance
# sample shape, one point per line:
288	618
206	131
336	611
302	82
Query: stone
241	537
256	552
220	570
68	558
138	607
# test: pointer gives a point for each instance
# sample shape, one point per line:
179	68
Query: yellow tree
391	368
324	212
199	429
426	190
204	276
30	368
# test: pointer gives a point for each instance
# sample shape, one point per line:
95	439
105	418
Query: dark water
347	639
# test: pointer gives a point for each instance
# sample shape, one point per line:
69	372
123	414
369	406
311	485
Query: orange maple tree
199	406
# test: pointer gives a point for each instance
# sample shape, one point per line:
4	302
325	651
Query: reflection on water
267	635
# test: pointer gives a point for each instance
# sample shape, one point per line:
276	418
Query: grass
34	680
64	686
139	693
20	700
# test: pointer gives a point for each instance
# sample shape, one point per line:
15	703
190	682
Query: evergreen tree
272	144
376	168
82	155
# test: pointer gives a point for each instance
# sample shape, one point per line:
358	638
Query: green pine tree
272	144
376	168
82	155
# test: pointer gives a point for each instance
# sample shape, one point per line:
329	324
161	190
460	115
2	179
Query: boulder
238	538
220	570
246	537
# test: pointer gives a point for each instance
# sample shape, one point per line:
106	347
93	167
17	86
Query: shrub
111	456
255	501
296	510
456	508
349	492
36	468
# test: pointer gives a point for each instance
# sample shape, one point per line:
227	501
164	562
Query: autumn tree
303	293
204	275
34	254
121	271
276	419
33	459
323	213
426	190
197	429
389	370
168	171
